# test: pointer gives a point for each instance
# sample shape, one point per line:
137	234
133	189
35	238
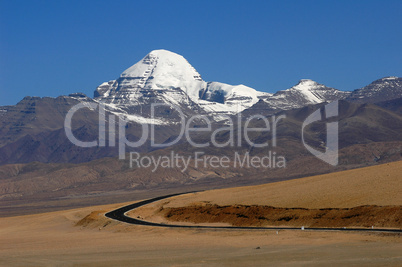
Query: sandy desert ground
84	237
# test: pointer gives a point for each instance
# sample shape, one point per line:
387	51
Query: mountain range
33	130
165	77
37	160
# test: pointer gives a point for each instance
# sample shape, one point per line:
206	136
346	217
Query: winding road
120	215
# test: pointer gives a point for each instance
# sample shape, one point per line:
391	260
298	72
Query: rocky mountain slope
384	89
368	135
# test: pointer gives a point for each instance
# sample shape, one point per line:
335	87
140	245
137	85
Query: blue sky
51	48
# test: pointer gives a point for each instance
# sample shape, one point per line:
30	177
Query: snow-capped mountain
160	74
384	89
306	92
166	77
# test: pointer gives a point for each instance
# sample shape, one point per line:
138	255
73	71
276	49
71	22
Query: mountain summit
159	70
384	89
166	77
305	92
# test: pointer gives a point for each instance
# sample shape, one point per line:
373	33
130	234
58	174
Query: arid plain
85	237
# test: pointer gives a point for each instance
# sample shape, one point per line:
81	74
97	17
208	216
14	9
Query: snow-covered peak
380	90
390	78
305	84
163	63
229	99
231	91
308	89
305	92
162	69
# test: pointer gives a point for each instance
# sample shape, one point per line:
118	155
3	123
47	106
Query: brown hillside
377	185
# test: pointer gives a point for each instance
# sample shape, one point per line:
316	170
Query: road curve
119	215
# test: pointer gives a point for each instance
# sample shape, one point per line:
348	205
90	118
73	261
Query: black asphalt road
119	215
